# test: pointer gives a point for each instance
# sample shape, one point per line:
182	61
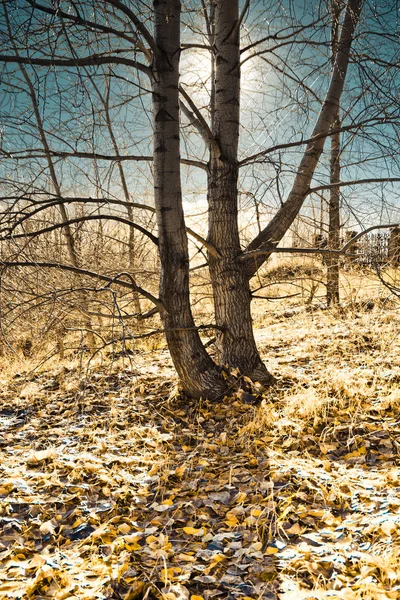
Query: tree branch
200	121
260	253
36	153
271	235
84	272
86	61
27	234
78	20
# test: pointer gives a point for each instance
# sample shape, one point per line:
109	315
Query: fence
371	249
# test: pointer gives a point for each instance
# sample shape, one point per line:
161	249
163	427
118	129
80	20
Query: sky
279	104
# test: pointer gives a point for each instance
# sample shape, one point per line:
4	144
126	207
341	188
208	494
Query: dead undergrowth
112	487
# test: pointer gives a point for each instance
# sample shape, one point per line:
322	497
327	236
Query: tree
332	287
108	41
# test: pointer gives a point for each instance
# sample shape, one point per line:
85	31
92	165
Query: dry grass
311	474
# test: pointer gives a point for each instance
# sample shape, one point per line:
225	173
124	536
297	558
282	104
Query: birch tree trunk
279	225
229	280
199	376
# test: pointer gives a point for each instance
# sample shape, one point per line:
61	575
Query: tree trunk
332	283
198	374
271	235
229	281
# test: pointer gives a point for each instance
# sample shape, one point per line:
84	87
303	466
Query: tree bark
333	260
199	376
229	281
273	233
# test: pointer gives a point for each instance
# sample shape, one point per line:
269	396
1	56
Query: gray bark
229	281
198	374
279	225
332	283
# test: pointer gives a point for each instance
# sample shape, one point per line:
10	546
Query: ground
111	486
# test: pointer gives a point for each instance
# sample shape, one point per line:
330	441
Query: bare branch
83	219
36	153
86	61
210	247
78	20
84	272
343	251
329	186
202	124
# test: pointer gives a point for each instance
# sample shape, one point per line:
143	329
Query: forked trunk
198	374
229	281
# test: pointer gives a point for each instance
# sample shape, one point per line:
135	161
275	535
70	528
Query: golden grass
314	469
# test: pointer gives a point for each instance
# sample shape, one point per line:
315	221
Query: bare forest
199	296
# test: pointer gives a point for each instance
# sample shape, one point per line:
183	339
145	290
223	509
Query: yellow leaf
257	546
231	519
388	527
255	512
133	538
193	597
46	527
169	574
217	558
124	528
185	557
271	550
40	456
6	488
232	523
295	529
132	547
122	570
193	531
359	452
135	591
180	471
241	497
151	539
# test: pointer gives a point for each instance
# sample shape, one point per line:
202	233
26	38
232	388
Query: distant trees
128	62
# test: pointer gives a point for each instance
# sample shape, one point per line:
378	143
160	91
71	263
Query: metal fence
373	249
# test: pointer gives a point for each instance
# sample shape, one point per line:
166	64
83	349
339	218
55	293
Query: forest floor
112	487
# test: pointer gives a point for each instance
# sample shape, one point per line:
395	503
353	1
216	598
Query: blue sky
275	109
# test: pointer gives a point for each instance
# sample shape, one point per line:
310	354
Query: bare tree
140	46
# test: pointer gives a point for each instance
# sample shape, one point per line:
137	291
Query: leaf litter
112	487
